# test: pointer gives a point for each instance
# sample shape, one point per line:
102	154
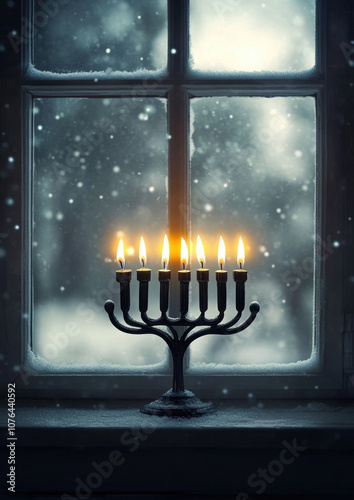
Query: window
194	117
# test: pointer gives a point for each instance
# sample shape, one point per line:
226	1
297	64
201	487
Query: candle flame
184	253
165	253
221	253
142	252
241	253
120	253
200	251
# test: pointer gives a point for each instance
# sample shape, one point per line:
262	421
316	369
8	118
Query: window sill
80	420
214	454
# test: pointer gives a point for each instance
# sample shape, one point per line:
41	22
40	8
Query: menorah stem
178	402
178	377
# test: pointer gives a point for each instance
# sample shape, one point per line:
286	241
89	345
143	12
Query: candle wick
143	262
164	265
221	266
121	263
202	264
183	266
240	265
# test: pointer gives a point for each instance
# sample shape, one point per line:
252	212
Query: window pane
106	36
100	173
253	171
252	35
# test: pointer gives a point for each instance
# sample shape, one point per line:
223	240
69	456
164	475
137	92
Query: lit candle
221	277
240	277
184	277
202	277
143	275
164	276
123	276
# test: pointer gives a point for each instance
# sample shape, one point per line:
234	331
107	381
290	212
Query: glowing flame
241	253
142	252
200	251
120	253
184	253
221	253
165	253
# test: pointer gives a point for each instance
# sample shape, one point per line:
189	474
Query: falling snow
102	36
78	213
101	170
265	167
224	40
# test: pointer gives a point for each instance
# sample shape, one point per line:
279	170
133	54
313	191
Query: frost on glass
253	173
106	36
100	170
252	35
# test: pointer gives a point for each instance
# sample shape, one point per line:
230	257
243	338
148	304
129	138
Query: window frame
179	88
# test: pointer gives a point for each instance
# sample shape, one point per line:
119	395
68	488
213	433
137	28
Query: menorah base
178	404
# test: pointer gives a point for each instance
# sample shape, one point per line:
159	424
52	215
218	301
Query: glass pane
100	174
253	173
106	36
252	35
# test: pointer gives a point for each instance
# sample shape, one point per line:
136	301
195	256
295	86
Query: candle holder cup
178	402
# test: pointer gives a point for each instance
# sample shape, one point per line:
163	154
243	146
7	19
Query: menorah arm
202	321
109	307
162	321
184	321
138	328
222	329
212	323
165	320
243	326
232	322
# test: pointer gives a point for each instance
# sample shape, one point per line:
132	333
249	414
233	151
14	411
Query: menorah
178	402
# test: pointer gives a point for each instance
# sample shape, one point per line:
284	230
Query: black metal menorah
178	402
